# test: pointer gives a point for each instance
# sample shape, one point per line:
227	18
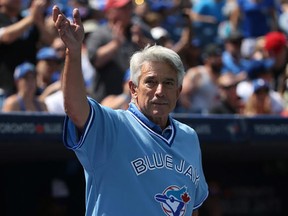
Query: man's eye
169	84
150	82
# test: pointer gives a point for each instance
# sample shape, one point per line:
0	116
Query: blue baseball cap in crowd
255	68
159	5
47	53
259	84
22	69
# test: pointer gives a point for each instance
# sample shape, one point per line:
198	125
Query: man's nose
159	90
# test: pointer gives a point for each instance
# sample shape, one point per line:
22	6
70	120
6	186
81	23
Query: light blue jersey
132	170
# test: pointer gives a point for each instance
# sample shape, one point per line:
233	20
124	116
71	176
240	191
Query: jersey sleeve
95	144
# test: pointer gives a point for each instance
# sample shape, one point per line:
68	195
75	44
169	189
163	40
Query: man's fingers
55	13
77	17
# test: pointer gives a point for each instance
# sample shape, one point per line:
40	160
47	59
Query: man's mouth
159	103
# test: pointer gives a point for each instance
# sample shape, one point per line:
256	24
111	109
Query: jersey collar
167	134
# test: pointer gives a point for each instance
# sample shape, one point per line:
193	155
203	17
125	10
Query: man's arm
74	91
14	31
106	52
191	82
37	12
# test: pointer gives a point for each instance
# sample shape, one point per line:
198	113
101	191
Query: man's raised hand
72	33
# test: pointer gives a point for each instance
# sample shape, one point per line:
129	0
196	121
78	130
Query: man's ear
133	89
179	91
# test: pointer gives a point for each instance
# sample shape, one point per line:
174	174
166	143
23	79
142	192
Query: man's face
27	83
231	97
121	15
216	63
157	92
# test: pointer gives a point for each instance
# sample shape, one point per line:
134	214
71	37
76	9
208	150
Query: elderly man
138	161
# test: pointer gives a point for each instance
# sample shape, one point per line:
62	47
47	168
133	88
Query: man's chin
160	113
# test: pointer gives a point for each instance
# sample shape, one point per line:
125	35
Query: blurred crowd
234	51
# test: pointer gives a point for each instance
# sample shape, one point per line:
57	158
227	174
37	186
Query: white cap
158	32
90	26
244	90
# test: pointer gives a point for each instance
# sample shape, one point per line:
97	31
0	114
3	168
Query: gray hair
159	54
